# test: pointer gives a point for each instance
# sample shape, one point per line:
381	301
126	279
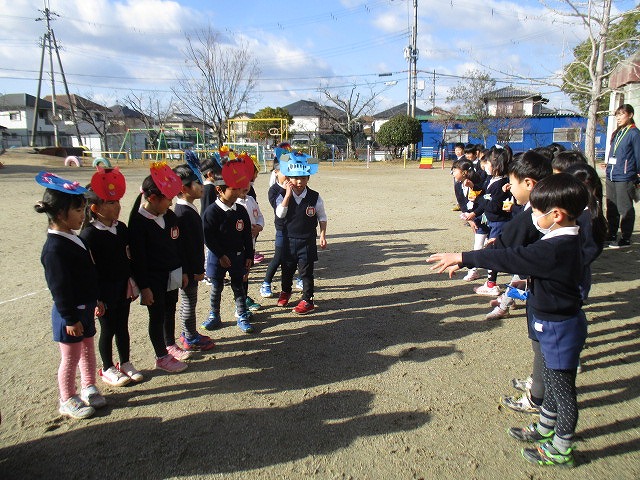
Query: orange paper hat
108	184
165	179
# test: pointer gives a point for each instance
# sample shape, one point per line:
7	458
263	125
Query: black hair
148	188
561	190
206	166
589	176
556	147
471	148
562	160
459	145
92	199
628	109
55	202
500	158
531	165
545	152
463	165
185	173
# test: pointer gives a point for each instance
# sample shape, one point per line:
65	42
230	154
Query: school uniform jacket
228	232
71	276
192	243
627	155
554	265
155	251
491	201
111	254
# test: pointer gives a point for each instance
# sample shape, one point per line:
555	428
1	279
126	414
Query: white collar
301	196
573	230
71	236
225	207
182	201
159	219
101	226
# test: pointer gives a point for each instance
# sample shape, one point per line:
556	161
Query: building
310	120
511	101
17	115
381	118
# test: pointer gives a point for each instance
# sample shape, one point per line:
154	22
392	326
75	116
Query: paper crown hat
165	179
54	182
108	184
238	173
297	165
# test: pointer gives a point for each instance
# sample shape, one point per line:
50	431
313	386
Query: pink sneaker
485	289
176	352
170	364
258	258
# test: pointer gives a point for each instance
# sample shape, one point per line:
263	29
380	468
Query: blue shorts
561	342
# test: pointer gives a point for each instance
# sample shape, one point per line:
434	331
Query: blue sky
113	47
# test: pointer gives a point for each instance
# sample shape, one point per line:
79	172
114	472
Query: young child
257	225
73	282
303	210
554	308
192	251
227	235
108	240
156	262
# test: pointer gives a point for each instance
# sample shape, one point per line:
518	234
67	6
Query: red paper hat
165	179
108	184
238	173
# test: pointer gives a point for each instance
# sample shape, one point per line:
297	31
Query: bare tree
470	93
351	106
220	82
95	115
155	113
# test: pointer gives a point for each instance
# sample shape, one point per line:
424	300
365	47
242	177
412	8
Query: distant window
15	116
43	114
99	117
457	136
510	135
566	135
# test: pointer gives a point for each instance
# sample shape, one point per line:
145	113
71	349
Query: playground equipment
167	147
72	160
101	161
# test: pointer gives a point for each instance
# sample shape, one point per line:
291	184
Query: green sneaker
252	306
546	454
530	433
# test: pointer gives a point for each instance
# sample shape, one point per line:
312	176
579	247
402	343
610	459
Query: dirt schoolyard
396	375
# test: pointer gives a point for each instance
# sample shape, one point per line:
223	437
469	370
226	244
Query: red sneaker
283	299
304	307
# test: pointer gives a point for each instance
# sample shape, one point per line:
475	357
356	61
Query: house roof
627	71
63	102
397	110
513	93
126	112
183	117
307	108
13	101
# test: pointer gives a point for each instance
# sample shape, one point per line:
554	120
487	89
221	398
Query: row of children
555	232
160	257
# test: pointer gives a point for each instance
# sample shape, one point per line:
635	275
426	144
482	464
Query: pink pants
73	355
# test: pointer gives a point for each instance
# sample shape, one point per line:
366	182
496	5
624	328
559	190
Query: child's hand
100	309
323	241
506	187
185	280
473	226
75	330
146	296
248	263
199	277
445	261
255	230
467	183
489	242
225	262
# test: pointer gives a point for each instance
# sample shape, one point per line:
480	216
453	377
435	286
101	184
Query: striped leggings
188	301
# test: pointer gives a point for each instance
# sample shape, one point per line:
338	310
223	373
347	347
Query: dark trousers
620	211
114	323
236	272
162	321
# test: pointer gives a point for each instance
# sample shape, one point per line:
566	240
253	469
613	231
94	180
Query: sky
112	48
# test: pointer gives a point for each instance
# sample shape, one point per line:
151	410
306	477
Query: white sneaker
130	371
471	275
76	408
92	397
484	289
114	377
497	313
522	384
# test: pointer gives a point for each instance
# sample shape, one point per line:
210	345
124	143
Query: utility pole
49	41
411	54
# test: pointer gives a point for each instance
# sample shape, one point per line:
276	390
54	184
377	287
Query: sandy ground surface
397	374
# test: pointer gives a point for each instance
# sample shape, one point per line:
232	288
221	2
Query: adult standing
622	169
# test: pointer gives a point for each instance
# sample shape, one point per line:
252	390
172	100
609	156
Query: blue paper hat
297	165
194	164
54	182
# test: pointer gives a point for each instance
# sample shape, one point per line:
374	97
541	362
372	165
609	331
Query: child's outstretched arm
323	234
445	261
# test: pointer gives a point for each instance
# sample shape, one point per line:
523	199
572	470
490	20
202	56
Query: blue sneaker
212	322
265	290
298	284
237	315
252	306
243	323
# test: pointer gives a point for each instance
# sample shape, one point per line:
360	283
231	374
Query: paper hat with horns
297	165
108	184
194	164
282	148
54	182
165	179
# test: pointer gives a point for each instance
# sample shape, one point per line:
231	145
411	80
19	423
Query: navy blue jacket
627	155
192	243
228	232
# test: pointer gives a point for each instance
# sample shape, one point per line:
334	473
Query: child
554	308
302	209
192	251
227	235
563	159
73	282
156	262
251	194
257	225
108	240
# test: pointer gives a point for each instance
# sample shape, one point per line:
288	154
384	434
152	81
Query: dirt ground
396	375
